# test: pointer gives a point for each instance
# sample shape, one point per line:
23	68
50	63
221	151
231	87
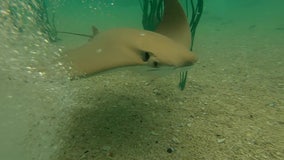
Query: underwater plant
41	16
28	15
153	11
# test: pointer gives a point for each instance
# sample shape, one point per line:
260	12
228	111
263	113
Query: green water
231	108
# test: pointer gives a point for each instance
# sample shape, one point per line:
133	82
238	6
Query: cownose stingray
126	47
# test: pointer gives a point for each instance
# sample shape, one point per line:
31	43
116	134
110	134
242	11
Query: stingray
125	47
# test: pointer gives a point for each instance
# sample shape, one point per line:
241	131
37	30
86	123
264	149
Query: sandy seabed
232	107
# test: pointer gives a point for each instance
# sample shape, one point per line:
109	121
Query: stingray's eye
155	64
145	56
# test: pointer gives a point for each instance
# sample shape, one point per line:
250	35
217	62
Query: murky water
232	107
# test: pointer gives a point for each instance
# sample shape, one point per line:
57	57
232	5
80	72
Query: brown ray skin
174	23
126	47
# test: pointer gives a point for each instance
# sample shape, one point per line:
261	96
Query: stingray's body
119	48
127	47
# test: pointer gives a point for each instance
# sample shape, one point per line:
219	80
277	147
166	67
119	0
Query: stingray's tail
94	29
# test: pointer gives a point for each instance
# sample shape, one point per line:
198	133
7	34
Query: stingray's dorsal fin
95	31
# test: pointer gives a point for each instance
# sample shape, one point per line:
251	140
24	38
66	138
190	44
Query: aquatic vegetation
41	16
195	17
152	13
28	15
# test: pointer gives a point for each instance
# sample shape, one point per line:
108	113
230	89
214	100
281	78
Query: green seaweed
46	25
152	13
195	17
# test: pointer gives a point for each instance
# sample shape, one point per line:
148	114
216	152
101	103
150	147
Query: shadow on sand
116	125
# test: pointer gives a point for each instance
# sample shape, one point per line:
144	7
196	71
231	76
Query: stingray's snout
190	60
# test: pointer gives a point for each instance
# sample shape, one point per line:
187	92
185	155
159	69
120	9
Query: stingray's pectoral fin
83	62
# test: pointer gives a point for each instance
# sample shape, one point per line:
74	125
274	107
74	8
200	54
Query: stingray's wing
174	23
95	57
